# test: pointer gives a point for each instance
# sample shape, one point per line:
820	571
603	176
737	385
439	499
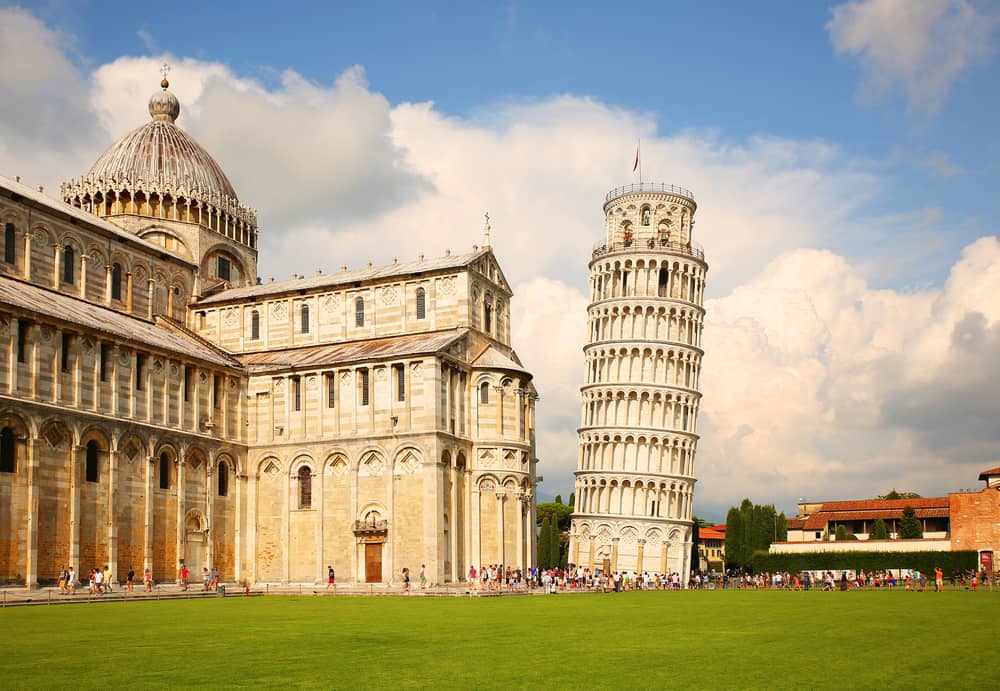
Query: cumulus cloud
819	385
923	46
816	381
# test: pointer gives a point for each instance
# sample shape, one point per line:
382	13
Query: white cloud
924	45
813	376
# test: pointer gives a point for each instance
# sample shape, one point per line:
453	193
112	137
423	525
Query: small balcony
652	245
648	187
371	528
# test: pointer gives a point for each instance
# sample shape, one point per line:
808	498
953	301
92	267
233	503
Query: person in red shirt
184	577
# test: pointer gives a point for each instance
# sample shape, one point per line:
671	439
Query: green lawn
707	640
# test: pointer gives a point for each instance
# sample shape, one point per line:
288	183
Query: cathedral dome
160	151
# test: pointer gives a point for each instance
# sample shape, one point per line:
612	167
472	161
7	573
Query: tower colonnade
640	399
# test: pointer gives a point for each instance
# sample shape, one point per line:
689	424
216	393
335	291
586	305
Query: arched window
91	474
661	287
9	250
305	319
421	303
359	312
7	450
484	392
645	216
116	281
69	264
223	479
164	471
254	325
305	487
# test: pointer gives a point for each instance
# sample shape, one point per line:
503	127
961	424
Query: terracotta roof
796	523
709	534
340	279
884	504
721	528
74	311
821	518
354	351
987	474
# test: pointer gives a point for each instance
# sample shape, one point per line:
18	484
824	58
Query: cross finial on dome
163	70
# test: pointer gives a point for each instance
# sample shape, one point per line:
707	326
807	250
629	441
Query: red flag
636	166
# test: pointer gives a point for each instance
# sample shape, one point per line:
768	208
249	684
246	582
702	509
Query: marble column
31	465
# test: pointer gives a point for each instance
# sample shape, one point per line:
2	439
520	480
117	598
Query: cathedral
160	406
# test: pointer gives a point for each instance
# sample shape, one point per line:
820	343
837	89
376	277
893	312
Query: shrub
879	530
840	561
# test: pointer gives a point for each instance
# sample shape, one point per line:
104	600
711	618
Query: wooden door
373	562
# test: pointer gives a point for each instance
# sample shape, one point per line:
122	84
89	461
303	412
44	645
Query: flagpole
639	154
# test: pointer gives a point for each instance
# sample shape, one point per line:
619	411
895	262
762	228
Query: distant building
959	521
713	548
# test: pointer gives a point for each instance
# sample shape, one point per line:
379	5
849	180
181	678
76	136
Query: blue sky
742	69
843	155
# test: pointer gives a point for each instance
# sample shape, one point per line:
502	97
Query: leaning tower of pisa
638	433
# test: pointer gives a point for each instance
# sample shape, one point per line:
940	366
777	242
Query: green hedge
840	561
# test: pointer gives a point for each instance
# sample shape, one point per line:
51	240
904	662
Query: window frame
69	265
421	303
92	469
9	244
304	476
8	450
359	312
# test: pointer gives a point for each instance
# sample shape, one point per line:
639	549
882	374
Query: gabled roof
60	207
74	311
345	278
491	358
987	474
353	351
709	534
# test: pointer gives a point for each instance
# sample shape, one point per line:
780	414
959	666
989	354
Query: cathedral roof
346	277
491	358
160	151
352	351
104	320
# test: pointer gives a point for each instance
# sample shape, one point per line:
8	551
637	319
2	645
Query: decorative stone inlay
279	310
232	317
331	302
448	285
388	295
271	470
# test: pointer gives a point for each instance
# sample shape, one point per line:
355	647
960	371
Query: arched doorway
194	544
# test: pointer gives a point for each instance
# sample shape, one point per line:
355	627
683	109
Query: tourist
130	579
423	577
92	582
73	581
472	577
938	580
406	580
331	578
108	580
922	580
63	581
215	577
148	580
975	581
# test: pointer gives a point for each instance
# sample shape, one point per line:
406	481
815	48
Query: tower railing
648	187
690	249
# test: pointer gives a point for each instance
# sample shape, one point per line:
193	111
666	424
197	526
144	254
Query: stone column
590	557
467	523
501	495
128	292
638	559
150	284
614	553
575	539
663	557
107	284
31	464
209	516
475	556
56	256
83	275
112	501
520	529
179	542
240	486
453	522
74	506
27	254
147	551
252	479
320	571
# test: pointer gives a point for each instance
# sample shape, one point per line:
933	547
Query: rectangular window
400	382
331	389
140	363
297	392
224	269
22	335
69	260
187	382
254	325
8	243
104	361
363	374
217	391
64	353
305	319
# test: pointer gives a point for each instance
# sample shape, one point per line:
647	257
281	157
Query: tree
555	510
842	533
555	545
751	527
558	499
544	543
572	500
909	527
782	528
879	530
733	538
893	494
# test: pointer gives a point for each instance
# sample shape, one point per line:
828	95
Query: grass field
691	639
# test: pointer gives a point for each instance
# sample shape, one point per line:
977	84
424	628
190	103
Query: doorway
373	562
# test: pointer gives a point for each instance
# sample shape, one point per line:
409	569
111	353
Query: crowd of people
101	581
908	579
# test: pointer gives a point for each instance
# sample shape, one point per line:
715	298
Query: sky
843	156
